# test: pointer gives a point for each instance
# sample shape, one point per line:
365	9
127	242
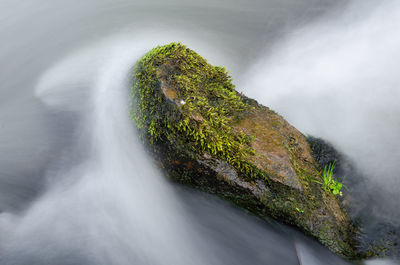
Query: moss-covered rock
205	134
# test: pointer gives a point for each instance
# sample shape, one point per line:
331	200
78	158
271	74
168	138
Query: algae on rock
207	135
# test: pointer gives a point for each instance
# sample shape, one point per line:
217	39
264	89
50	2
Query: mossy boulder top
205	134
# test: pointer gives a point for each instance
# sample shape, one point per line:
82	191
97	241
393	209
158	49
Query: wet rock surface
376	236
204	134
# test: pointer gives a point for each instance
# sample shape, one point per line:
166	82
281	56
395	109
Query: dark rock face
377	237
206	135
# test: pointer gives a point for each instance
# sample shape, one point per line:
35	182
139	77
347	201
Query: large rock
205	134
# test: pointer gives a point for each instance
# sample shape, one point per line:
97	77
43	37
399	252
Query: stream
77	186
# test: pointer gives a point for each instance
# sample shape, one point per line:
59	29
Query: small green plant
299	210
329	183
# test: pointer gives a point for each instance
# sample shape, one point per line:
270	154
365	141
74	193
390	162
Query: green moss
189	112
206	101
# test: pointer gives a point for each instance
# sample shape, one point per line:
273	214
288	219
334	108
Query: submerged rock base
205	134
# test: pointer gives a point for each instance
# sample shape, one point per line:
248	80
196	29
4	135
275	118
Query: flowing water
76	186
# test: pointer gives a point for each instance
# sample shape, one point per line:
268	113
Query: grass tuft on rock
206	135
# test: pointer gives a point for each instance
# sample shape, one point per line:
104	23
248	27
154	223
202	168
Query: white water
111	206
105	202
338	79
76	185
